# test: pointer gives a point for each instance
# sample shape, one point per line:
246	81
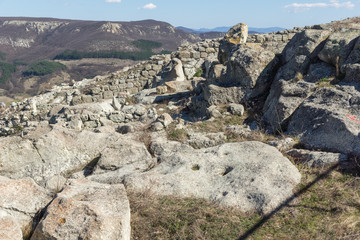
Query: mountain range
225	29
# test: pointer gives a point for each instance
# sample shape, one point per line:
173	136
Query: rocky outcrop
324	121
82	211
249	176
20	201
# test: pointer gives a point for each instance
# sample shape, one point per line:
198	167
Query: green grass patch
198	73
43	68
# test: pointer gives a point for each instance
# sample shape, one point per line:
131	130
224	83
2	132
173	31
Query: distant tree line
7	70
146	47
43	68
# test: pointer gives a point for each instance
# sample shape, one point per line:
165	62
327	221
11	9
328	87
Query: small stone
125	129
157	126
236	109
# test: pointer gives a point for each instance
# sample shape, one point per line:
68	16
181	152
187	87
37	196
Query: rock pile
75	150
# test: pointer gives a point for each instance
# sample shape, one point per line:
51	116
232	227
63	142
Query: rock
81	211
165	119
179	70
299	52
329	120
205	140
213	112
117	117
252	68
249	176
317	159
338	47
20	201
125	129
9	229
116	104
161	90
236	109
215	95
284	98
283	144
56	183
157	126
125	157
76	124
237	34
53	152
241	131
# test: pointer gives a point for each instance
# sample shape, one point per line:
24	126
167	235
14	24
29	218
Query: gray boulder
283	100
250	176
329	120
86	210
20	201
338	47
51	153
316	158
252	68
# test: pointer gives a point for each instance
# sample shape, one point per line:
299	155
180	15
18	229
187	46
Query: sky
190	13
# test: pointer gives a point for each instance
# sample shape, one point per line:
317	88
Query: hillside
24	41
243	137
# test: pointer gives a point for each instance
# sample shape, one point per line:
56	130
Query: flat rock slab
20	201
250	176
87	210
317	159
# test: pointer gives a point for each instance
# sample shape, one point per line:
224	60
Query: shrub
43	68
7	70
198	73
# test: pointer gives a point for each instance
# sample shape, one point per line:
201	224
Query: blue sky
190	13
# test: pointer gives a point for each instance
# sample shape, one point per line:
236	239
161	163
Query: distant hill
25	42
225	29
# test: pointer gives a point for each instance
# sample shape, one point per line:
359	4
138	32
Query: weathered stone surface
236	109
9	229
237	34
283	144
19	202
251	67
303	47
338	47
56	152
329	120
248	175
117	117
205	140
216	95
315	158
283	100
81	211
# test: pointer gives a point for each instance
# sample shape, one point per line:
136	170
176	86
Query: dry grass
330	209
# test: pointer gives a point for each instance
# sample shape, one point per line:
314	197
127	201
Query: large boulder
250	176
329	120
20	201
338	47
59	151
86	210
237	34
283	100
289	90
251	67
124	157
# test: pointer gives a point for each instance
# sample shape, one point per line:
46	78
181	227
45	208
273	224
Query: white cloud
113	1
298	7
149	6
